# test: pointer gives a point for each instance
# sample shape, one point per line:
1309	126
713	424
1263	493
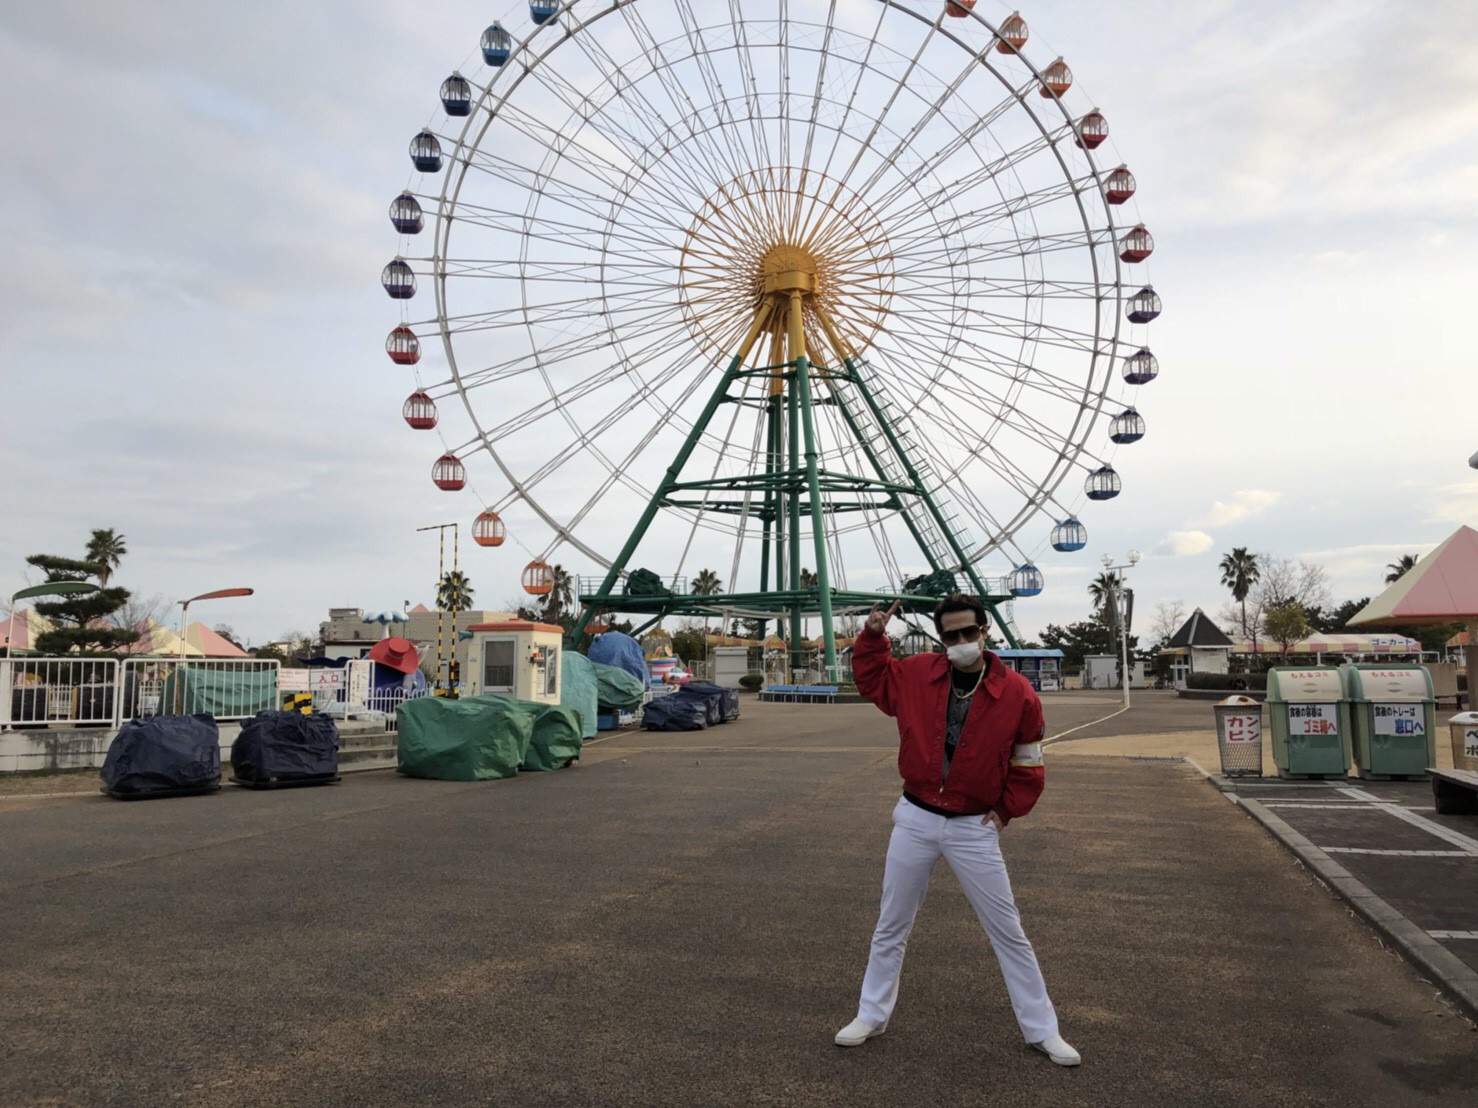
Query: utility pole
1122	610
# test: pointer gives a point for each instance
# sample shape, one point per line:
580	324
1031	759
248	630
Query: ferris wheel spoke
628	242
721	160
863	67
920	224
561	193
648	112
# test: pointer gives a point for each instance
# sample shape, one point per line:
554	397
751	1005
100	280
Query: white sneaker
1057	1048
856	1033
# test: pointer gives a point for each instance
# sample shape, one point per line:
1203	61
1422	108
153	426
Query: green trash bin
1393	718
1310	721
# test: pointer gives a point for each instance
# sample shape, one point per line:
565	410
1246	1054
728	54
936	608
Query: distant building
1200	646
345	634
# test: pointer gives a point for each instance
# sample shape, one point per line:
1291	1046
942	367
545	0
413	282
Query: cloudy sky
194	326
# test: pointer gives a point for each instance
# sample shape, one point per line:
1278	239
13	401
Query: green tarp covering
618	689
235	692
578	689
556	739
479	738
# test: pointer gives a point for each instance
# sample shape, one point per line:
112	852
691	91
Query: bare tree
140	610
1285	582
1169	616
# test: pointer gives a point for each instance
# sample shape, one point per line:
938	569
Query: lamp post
1120	609
218	594
49	588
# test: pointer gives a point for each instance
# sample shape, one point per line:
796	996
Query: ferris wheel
772	286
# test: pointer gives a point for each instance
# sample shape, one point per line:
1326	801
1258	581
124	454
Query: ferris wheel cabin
406	215
1026	580
1093	131
1103	484
456	95
398	280
1137	245
541	11
1069	535
448	473
1014	34
403	346
1120	186
488	529
1141	367
1144	306
1127	427
426	152
419	411
497	44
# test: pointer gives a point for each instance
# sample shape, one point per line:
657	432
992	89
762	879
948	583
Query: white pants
974	853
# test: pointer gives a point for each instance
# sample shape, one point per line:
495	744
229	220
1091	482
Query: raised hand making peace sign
877	622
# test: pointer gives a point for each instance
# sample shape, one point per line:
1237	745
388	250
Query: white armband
1026	754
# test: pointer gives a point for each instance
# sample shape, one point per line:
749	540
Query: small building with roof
1200	646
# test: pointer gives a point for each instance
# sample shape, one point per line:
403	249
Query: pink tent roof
210	644
21	628
1440	588
420	608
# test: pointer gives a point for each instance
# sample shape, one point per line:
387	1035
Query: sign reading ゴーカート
1400	719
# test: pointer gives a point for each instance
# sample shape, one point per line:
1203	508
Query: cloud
1244	503
1456	503
1184	544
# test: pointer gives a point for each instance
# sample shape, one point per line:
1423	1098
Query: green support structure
792	471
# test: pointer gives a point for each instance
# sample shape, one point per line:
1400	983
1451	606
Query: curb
1450	972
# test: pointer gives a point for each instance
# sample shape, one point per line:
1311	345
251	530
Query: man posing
970	755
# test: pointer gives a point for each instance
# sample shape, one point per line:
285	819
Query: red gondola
419	411
488	529
403	346
449	473
1013	34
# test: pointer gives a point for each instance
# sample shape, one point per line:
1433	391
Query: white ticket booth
515	657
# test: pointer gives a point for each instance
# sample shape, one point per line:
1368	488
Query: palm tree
561	595
106	548
1239	572
1101	590
1398	569
706	583
454	592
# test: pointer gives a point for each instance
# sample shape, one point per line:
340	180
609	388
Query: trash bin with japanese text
1239	736
1393	718
1310	721
1464	741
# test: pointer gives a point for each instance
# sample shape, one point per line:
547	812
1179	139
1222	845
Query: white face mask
964	654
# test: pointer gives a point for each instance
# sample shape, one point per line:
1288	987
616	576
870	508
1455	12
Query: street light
219	594
49	588
1121	609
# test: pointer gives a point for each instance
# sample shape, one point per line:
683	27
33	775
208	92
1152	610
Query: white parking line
1395	854
1464	843
1336	805
1453	934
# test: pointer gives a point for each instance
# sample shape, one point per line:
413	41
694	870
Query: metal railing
38	692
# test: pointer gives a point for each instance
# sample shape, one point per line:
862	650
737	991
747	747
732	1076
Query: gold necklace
968	695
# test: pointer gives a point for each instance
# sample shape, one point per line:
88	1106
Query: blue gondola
542	11
456	95
405	214
426	152
1026	580
1127	427
1144	305
398	280
1103	484
1141	368
1069	535
497	44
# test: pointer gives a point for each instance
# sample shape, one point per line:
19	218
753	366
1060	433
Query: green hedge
752	682
1231	682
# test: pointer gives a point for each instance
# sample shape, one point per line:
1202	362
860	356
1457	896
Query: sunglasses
964	634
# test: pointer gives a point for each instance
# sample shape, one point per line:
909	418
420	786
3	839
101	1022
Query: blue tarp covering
285	746
722	703
164	755
676	713
622	651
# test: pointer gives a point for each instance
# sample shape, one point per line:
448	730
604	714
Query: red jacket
998	762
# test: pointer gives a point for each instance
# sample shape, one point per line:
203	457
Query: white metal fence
83	692
37	692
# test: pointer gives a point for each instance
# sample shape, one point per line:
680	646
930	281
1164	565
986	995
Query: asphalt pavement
683	920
